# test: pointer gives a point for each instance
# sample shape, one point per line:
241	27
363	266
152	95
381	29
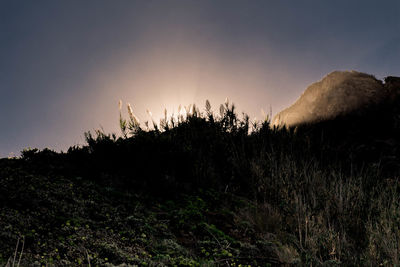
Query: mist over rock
340	93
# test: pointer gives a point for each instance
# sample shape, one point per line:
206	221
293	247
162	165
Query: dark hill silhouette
211	190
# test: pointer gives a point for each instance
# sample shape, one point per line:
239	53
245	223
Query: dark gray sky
65	64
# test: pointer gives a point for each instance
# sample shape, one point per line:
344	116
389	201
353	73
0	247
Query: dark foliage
212	189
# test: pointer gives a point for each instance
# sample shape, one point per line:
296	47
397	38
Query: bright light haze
65	64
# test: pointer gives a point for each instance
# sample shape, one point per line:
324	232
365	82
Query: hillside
209	190
339	93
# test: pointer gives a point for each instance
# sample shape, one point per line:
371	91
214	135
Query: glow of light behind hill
157	79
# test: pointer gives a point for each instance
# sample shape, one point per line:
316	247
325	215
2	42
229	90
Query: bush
217	188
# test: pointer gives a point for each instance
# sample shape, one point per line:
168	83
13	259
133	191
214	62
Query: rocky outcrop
340	93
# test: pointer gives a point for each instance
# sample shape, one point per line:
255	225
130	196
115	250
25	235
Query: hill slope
340	93
208	190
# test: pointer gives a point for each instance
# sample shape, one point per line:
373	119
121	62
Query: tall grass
327	193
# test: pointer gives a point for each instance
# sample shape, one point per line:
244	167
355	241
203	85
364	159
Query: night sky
65	64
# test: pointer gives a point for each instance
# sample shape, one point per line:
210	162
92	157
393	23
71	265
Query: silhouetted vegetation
210	189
